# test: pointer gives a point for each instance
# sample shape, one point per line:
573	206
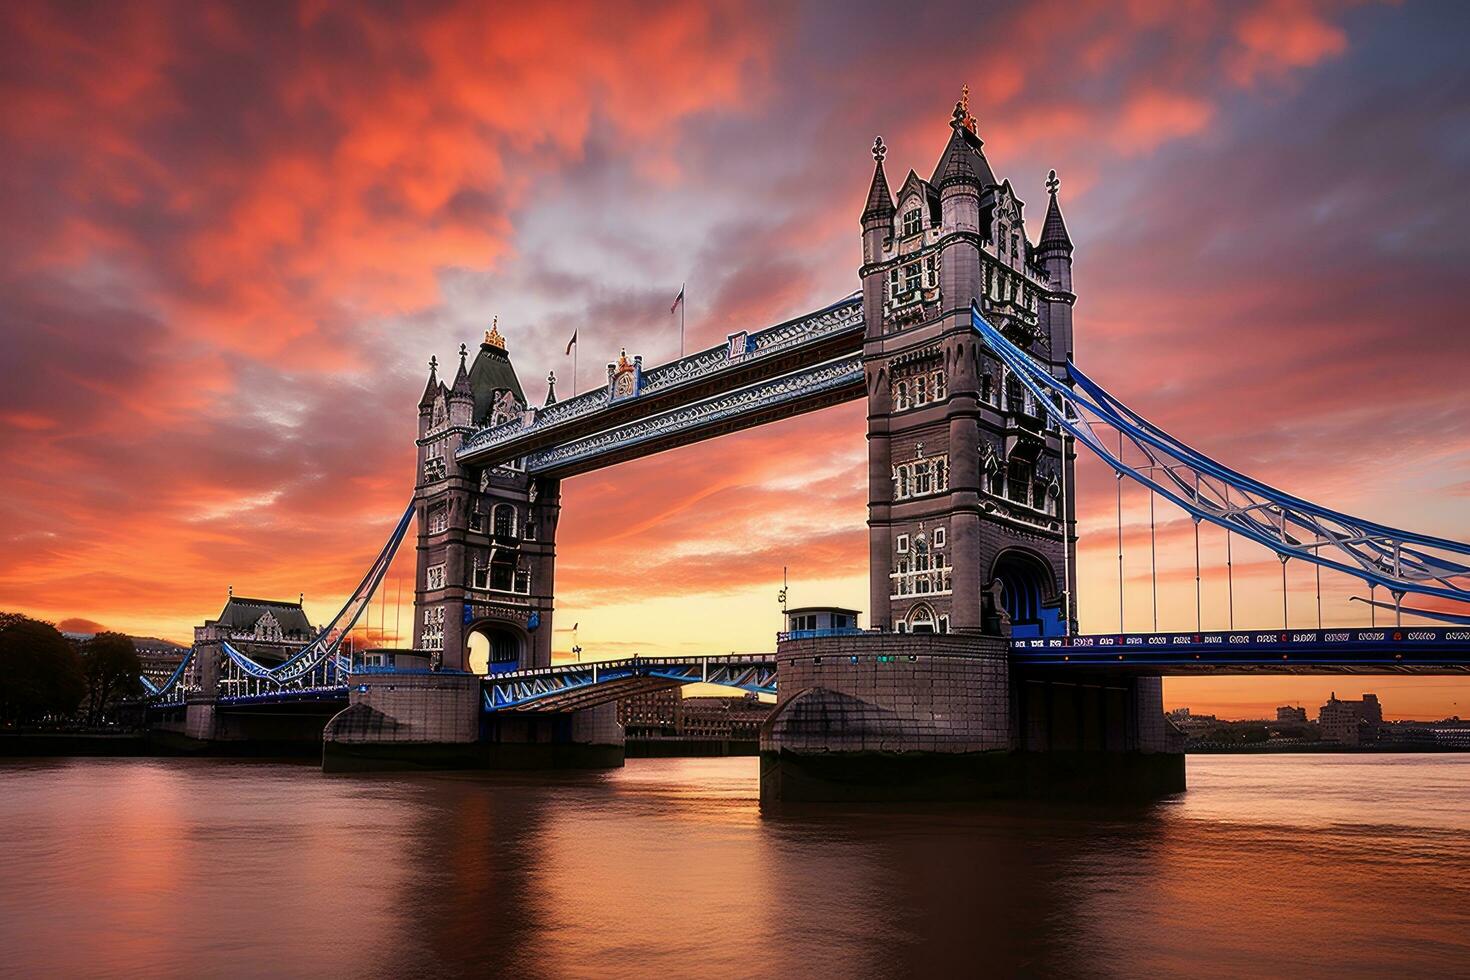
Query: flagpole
574	367
683	305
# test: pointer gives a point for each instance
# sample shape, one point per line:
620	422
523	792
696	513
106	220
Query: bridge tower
969	509
486	536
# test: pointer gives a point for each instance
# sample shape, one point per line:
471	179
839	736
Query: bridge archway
493	647
1028	592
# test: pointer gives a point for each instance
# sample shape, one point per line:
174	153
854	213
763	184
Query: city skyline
224	316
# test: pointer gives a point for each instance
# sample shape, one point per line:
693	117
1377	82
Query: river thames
1290	865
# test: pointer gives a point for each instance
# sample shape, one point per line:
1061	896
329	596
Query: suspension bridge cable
1319	595
1199	606
1120	535
1285	618
1066	544
1153	557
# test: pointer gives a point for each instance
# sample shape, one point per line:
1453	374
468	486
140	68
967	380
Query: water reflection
183	867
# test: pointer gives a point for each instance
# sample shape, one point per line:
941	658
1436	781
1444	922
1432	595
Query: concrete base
789	777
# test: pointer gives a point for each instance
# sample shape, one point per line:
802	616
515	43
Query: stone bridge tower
969	499
486	536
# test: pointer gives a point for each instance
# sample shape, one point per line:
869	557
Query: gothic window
931	272
912	222
922	476
1016	246
1015	394
434	468
477	519
432	637
903	544
921	390
987	388
438	519
502	575
941	386
902	401
504	520
893	287
939	537
911	277
434	578
1018	481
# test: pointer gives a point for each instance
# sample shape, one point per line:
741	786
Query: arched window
504	523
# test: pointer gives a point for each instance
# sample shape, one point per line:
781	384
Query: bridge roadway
1385	650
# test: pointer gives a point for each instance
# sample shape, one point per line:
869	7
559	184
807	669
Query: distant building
1350	722
724	717
267	631
667	714
158	658
655	714
1291	715
820	619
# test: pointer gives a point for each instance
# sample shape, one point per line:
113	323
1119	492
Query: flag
678	302
572	343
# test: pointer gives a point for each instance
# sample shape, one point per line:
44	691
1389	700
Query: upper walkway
800	365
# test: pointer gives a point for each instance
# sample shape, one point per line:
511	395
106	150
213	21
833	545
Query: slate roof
491	373
242	614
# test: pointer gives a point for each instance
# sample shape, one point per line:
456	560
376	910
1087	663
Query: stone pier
935	717
433	720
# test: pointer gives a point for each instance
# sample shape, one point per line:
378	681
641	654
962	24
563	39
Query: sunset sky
234	234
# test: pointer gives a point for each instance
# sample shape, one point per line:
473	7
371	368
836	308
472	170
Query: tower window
912	224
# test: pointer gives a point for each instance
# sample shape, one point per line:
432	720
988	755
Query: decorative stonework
837	319
793	387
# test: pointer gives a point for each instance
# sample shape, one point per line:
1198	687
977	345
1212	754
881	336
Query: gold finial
492	336
965	117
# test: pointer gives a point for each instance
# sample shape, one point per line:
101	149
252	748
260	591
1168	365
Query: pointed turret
461	390
1054	230
431	390
492	373
963	160
880	200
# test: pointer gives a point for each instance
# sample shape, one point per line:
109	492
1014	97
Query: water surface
1294	865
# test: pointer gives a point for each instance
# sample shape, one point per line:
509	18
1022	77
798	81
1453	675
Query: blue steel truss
524	689
1395	649
324	645
1400	561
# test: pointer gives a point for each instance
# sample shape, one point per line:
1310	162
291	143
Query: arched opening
493	648
921	619
1028	593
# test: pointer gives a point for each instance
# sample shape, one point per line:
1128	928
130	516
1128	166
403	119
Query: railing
846	314
785	635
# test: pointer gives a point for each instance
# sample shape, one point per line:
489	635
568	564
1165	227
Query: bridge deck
1384	650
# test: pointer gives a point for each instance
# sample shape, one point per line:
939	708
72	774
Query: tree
40	672
110	662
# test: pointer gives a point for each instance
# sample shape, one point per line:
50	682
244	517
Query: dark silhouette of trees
110	663
40	671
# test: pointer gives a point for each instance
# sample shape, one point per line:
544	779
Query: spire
432	388
551	388
461	387
1054	229
963	160
880	201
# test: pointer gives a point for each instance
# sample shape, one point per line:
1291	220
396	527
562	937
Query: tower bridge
972	677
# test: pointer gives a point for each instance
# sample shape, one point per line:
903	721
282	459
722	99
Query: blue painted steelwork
1409	649
1401	561
528	687
330	637
814	634
154	692
845	317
